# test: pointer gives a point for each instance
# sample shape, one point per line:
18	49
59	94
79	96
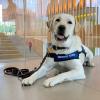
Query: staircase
22	46
7	48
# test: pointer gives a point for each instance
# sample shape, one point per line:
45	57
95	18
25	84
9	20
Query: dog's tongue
60	37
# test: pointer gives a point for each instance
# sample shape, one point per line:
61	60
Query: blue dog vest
65	57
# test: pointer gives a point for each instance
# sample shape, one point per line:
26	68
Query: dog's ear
77	27
50	23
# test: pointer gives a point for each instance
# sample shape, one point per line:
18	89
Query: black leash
35	69
22	73
58	48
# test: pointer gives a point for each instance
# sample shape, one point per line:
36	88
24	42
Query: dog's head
62	26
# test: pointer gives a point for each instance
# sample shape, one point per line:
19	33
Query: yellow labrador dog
68	52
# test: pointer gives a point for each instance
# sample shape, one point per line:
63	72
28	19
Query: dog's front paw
28	81
49	82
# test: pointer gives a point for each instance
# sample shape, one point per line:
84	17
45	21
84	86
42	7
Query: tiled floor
88	89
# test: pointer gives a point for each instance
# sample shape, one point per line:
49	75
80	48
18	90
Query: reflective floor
88	89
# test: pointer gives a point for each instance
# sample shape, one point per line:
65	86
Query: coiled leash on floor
22	73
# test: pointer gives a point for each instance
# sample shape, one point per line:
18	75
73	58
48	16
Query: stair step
7	44
9	52
7	48
5	41
10	56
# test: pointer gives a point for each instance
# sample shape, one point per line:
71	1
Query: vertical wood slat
65	7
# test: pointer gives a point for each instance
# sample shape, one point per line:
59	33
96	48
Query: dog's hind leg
89	62
89	57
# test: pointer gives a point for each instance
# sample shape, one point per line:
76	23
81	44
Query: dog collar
54	47
58	48
65	57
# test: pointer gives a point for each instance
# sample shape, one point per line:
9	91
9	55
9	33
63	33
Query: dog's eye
69	22
57	20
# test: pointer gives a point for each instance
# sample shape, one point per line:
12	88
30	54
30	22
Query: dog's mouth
61	37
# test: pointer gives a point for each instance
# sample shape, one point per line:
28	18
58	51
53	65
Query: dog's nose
61	29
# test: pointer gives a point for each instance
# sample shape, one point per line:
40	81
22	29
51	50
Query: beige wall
30	24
